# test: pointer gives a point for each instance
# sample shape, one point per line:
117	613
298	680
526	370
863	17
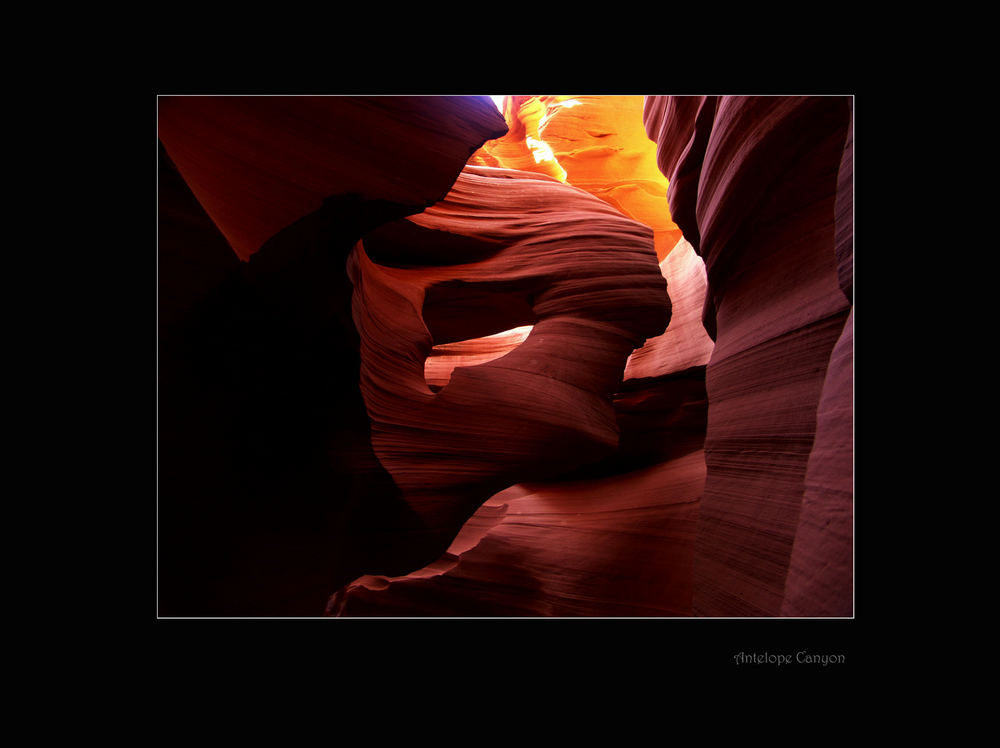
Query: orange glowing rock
522	147
596	143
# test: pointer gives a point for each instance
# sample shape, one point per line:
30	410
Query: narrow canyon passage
553	356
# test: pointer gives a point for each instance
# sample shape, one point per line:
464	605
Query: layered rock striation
761	187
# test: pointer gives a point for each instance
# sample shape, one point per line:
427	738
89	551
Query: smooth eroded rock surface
756	185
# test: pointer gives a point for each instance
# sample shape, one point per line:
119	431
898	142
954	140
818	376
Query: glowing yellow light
540	150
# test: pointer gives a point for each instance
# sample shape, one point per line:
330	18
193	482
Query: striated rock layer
821	567
543	254
759	187
822	563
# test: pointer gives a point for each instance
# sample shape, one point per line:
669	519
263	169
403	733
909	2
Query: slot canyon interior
551	356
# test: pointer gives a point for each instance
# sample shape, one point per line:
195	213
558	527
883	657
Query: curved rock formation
552	256
759	187
615	540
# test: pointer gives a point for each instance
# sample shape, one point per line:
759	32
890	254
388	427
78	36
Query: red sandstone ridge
760	187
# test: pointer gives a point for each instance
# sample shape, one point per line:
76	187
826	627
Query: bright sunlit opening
447	357
540	150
